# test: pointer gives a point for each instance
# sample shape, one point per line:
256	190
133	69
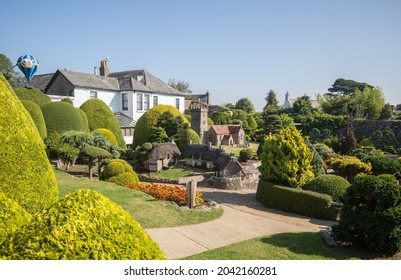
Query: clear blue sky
234	49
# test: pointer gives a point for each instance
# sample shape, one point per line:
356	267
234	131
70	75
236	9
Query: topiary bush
364	152
84	225
67	99
148	120
109	135
371	215
117	171
245	154
318	164
100	116
383	165
286	159
84	118
349	166
387	177
25	172
332	185
61	117
37	117
112	169
366	142
12	216
296	201
125	178
188	136
33	94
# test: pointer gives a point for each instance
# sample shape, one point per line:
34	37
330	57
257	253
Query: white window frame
139	101
177	103
124	101
155	98
146	102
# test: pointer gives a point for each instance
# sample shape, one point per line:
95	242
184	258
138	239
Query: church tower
199	112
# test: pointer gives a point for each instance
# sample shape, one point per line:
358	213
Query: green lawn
148	211
173	173
284	246
236	150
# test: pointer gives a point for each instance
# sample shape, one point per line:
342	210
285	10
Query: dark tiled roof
164	150
226	129
41	81
124	121
85	80
204	152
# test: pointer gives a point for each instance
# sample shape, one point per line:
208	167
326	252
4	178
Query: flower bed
169	193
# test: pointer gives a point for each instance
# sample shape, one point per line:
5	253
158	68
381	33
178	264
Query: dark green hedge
37	117
61	117
84	225
25	172
34	95
332	185
295	201
100	116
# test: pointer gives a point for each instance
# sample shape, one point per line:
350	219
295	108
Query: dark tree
347	87
348	141
271	103
246	105
303	105
181	86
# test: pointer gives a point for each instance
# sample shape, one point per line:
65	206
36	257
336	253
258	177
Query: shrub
318	164
112	169
125	178
100	116
92	153
61	117
383	165
286	159
67	100
84	118
33	94
68	154
371	215
25	172
366	142
332	185
84	225
349	166
12	216
245	154
187	136
296	201
109	135
387	177
37	117
148	120
364	152
324	151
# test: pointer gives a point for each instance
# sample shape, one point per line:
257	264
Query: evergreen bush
117	171
383	165
245	154
67	100
349	166
112	169
387	177
61	117
26	175
332	185
33	94
109	135
84	118
84	225
37	117
371	215
125	178
286	159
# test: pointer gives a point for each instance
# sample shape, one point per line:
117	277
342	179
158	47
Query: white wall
112	99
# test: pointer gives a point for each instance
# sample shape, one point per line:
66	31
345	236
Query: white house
129	94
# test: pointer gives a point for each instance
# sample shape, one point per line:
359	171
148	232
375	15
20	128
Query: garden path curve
243	218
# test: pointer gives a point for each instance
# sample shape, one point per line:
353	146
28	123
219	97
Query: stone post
191	184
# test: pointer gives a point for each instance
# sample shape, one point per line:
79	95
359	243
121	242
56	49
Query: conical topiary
25	172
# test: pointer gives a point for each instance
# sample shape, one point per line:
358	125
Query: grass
284	246
236	150
173	173
146	210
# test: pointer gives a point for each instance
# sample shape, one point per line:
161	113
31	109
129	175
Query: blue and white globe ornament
28	65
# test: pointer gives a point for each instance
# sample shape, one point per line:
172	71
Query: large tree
246	105
13	76
303	105
181	86
346	87
271	103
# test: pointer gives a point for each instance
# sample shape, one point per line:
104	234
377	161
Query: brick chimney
104	67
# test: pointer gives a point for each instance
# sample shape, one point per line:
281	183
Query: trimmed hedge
118	171
25	172
37	117
108	135
12	216
383	165
296	201
84	225
61	117
33	94
125	178
84	118
112	169
100	116
332	185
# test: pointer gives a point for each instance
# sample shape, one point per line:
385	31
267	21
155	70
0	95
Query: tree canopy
347	87
181	86
245	104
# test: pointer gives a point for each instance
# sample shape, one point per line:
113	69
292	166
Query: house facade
129	94
228	135
162	156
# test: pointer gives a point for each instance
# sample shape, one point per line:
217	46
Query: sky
233	49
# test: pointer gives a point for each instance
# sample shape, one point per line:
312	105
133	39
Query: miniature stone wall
233	183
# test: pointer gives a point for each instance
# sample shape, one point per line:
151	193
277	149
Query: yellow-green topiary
37	117
84	118
108	135
286	159
349	166
125	178
25	172
118	171
34	95
148	120
12	216
84	225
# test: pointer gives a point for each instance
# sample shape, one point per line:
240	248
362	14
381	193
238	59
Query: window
155	100
93	94
139	105
124	98
177	103
146	102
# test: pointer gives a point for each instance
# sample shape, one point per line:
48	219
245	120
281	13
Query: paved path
243	218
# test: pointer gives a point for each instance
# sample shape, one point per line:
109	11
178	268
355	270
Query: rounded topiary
383	165
34	95
112	169
188	136
245	154
125	178
25	172
387	177
61	117
366	142
37	117
100	116
84	225
12	216
148	120
108	135
84	118
68	100
333	185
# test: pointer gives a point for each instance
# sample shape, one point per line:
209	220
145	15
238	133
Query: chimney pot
104	68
